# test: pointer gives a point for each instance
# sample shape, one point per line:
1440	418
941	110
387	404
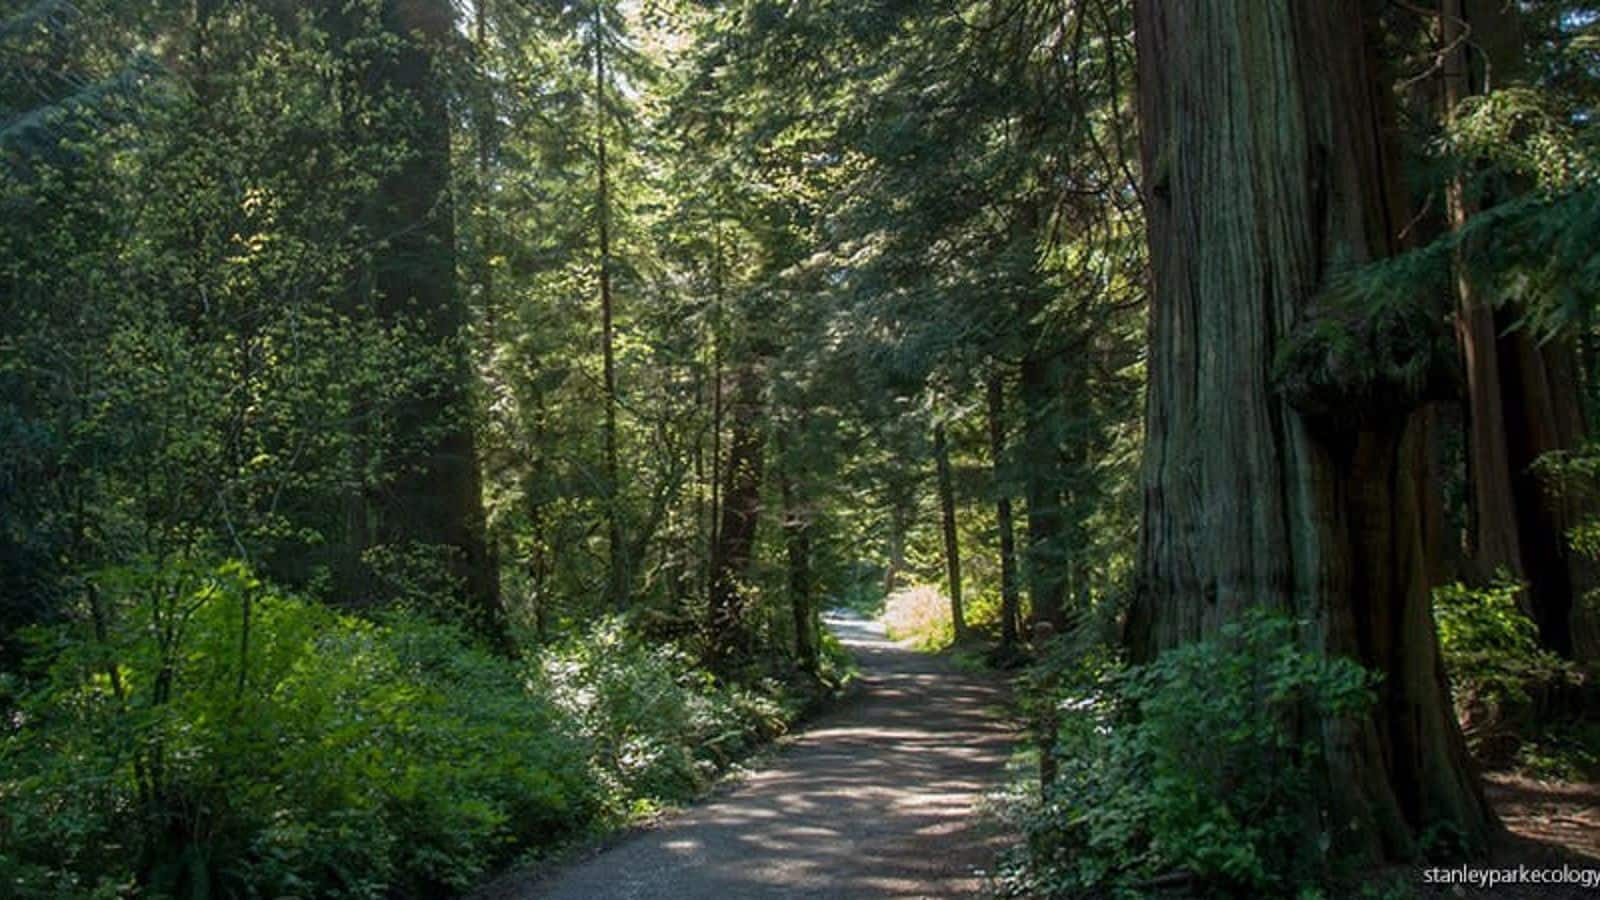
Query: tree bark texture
1493	538
1268	158
1042	484
1523	396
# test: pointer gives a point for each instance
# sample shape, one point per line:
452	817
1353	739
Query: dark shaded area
1549	825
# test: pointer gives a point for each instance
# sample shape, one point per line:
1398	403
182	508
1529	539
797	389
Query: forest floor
876	798
1548	825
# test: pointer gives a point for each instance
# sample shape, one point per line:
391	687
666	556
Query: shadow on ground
876	799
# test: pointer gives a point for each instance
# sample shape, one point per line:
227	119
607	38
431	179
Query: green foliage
193	354
1502	678
1371	348
1490	645
921	614
1563	750
1525	157
233	325
863	596
246	742
1193	765
1573	476
655	724
225	738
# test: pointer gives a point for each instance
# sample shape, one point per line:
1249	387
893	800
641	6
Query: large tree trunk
1010	602
1492	536
1269	162
438	501
1545	414
952	544
741	506
1523	397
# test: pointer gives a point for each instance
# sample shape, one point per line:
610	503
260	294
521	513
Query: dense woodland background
431	430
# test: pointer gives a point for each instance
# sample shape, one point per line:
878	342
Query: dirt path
875	799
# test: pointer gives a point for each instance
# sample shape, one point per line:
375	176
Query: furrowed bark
1493	540
1268	159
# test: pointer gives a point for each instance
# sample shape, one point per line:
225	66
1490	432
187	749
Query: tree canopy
435	430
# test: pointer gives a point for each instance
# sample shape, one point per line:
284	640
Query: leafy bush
921	614
656	725
1502	679
203	734
1562	750
1493	657
249	743
1189	765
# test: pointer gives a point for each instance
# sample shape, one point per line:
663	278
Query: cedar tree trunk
1269	162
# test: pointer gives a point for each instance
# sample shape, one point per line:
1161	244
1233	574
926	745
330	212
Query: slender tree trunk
1047	524
538	570
1269	162
902	501
952	546
484	139
1493	543
618	579
1010	602
1043	381
351	581
200	76
797	548
740	510
717	288
698	543
1076	489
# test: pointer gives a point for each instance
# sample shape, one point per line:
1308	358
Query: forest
439	437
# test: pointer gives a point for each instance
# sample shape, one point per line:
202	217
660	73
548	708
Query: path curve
875	799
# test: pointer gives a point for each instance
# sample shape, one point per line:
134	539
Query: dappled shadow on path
875	799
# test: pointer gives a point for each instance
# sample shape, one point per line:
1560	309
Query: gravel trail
876	798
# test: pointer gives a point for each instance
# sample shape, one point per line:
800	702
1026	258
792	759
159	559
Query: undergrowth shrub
1187	767
1491	647
921	614
1507	688
202	734
656	725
